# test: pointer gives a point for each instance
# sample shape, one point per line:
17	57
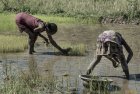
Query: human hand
88	72
46	42
65	51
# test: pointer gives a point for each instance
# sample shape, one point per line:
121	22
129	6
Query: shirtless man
34	27
109	44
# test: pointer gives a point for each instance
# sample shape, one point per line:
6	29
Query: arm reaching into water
93	64
46	40
64	51
40	29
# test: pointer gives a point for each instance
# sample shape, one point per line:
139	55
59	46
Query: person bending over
34	27
110	44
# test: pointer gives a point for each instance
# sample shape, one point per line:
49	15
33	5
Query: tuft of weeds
76	49
12	43
26	81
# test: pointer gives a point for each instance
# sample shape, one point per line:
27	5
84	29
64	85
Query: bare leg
114	62
93	64
124	65
31	40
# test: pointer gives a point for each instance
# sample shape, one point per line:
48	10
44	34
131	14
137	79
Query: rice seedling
8	25
12	43
25	81
68	85
96	83
57	19
76	49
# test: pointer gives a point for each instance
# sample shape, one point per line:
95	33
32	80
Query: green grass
75	8
7	21
8	26
76	49
17	81
12	43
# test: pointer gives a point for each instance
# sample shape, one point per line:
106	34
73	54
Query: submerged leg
124	65
32	40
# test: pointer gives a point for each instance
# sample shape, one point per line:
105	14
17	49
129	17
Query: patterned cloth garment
108	42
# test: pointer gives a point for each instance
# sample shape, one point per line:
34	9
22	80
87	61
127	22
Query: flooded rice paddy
64	71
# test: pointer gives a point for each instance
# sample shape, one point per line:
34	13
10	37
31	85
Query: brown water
69	68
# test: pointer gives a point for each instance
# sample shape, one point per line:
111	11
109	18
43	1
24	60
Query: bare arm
64	51
128	49
40	27
46	40
54	43
93	64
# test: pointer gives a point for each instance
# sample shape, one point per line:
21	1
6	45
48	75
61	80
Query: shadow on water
122	77
135	77
57	54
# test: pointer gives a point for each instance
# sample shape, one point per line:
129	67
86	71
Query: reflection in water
46	82
50	78
126	89
33	68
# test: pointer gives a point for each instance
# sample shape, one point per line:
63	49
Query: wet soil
47	62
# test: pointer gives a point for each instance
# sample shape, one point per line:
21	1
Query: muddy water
68	68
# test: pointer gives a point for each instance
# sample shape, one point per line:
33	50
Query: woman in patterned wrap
109	44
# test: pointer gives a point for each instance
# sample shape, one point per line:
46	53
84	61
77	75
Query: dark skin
65	51
33	38
120	58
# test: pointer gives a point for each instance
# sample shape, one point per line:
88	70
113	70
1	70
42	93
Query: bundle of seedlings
96	82
76	49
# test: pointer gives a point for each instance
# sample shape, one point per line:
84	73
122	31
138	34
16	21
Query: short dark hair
52	27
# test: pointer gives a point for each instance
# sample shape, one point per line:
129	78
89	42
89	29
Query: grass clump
7	23
76	49
12	43
25	82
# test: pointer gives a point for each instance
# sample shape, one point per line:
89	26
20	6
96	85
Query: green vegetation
12	43
17	81
76	49
7	21
32	81
8	26
69	11
75	8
